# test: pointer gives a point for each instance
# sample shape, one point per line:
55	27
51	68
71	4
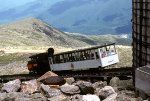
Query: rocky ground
14	68
51	87
72	90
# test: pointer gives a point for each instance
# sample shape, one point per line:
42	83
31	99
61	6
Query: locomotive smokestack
50	52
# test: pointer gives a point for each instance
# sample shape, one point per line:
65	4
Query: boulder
29	86
70	80
11	86
105	92
76	97
54	80
126	84
70	89
114	82
123	97
37	96
49	91
46	75
99	84
16	95
58	98
85	87
20	96
21	99
111	97
130	93
50	78
126	95
3	96
29	99
89	97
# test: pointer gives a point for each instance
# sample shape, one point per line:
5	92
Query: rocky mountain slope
102	39
33	32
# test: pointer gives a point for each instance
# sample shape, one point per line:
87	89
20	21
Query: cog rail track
22	77
122	73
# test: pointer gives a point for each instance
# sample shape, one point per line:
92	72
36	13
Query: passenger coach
84	59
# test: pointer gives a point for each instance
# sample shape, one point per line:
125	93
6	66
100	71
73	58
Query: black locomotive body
38	63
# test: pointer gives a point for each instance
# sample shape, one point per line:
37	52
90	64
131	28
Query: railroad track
22	77
95	72
122	73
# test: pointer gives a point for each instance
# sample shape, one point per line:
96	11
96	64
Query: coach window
61	58
112	50
103	52
74	56
66	57
93	56
56	58
79	56
96	54
86	55
90	54
69	57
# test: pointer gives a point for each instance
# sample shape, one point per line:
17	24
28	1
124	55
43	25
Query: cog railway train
96	57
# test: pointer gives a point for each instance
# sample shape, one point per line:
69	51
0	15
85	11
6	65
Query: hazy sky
6	4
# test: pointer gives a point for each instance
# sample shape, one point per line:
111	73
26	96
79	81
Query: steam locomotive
96	57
